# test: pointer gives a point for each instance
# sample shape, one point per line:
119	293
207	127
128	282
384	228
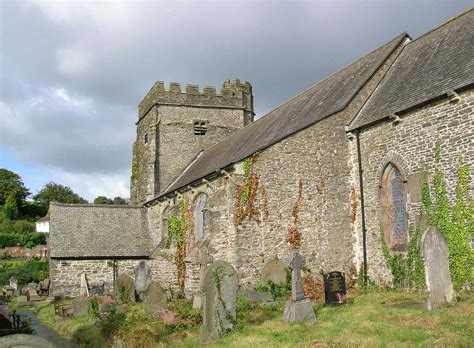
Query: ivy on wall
294	234
177	229
247	193
407	269
455	220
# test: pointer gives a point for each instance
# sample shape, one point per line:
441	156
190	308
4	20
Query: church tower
174	126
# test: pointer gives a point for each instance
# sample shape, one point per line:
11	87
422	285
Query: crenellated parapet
233	94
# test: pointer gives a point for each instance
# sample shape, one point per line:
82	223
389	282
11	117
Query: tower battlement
233	94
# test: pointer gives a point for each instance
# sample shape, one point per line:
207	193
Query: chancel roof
434	64
98	231
314	104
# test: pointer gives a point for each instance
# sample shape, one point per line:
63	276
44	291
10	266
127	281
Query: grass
370	319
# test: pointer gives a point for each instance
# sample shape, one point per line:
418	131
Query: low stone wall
65	275
18	252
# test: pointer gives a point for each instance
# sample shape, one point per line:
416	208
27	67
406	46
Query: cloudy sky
73	72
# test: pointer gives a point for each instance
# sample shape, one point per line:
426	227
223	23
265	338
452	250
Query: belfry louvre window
394	216
200	128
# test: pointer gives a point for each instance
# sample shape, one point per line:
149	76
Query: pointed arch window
394	215
200	216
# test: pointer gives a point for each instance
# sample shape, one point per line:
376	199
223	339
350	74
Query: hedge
26	240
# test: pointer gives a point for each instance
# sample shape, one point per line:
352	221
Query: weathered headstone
335	288
275	271
204	260
436	259
80	306
219	291
14	283
155	298
142	278
298	308
125	288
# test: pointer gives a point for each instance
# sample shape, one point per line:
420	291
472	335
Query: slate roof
428	67
312	105
98	231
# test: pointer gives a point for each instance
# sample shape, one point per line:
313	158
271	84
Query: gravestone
298	308
142	278
436	259
80	306
256	296
125	288
204	260
219	296
335	288
275	271
155	299
14	283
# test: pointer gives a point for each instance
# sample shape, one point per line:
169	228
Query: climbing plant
294	234
177	231
407	269
247	192
455	220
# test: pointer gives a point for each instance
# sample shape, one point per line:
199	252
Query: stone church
324	172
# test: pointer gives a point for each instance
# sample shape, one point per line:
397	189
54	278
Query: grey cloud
280	47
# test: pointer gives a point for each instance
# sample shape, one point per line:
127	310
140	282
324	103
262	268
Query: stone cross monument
298	308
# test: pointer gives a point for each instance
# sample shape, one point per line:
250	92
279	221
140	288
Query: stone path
46	332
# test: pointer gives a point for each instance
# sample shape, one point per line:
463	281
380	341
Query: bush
25	272
27	240
16	226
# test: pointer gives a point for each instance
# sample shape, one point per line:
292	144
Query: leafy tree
103	200
53	192
10	208
120	201
11	184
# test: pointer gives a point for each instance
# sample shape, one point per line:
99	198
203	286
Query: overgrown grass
370	319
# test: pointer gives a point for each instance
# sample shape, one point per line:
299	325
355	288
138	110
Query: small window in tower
200	127
145	138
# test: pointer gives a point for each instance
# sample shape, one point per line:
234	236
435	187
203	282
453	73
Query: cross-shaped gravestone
298	308
295	262
204	260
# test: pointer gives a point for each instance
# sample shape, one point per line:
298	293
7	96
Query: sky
73	72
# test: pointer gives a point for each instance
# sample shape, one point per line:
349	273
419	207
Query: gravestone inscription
335	288
438	278
219	296
298	308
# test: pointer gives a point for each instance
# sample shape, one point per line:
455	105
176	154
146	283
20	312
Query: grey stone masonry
174	127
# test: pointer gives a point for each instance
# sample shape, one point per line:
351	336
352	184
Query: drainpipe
362	206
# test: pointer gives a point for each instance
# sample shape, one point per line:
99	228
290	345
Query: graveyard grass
372	318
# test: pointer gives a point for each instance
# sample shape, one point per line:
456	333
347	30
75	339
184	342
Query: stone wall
166	141
65	275
410	146
319	158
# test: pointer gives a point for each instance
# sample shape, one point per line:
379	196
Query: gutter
362	206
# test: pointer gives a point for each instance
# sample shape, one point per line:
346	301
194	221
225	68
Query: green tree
53	192
10	208
103	200
10	183
120	201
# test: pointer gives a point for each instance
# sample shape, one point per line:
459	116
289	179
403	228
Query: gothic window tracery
394	215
